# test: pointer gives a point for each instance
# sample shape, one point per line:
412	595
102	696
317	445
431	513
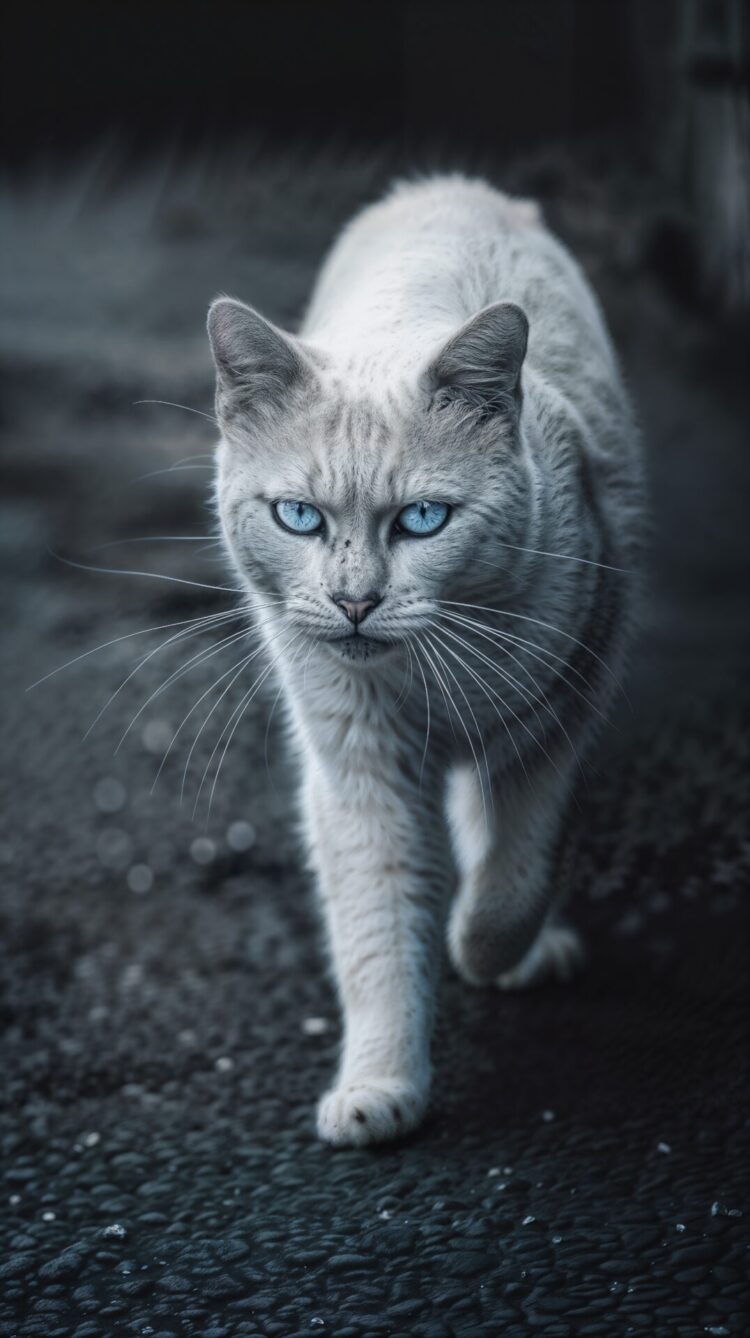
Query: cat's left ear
257	365
482	362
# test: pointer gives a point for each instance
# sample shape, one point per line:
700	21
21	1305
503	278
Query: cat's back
410	268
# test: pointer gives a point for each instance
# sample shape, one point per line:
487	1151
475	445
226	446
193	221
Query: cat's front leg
500	928
385	873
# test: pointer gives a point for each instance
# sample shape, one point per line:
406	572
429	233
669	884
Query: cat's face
352	513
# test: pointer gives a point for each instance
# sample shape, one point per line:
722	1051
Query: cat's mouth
359	647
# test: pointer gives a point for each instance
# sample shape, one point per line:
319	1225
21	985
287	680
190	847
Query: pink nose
356	610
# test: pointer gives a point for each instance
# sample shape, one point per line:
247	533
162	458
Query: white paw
373	1111
556	954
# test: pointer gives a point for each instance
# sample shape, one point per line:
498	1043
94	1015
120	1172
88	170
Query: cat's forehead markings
332	420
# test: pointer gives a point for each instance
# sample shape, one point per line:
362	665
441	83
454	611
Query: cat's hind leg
500	929
557	953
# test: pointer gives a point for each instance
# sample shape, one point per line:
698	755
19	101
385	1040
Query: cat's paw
557	954
376	1110
481	945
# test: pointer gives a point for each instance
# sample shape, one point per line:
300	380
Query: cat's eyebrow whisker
200	658
215	543
203	620
153	575
168	469
564	557
171	404
550	627
190	631
466	732
155	539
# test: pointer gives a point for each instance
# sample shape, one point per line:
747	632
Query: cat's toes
557	954
375	1111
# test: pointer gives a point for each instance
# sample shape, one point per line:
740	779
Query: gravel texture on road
168	1017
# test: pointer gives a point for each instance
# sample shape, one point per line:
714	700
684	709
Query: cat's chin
359	650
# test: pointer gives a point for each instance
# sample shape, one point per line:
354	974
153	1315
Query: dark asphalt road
168	1021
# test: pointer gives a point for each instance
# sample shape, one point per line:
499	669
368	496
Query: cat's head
353	499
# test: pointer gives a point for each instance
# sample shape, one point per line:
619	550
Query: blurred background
168	1019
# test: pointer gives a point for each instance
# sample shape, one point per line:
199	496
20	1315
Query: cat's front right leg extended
384	879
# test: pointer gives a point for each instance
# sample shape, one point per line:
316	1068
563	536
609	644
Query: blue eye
299	517
419	519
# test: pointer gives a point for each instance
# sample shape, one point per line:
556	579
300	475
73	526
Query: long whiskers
563	557
170	404
550	627
142	631
530	648
427	707
153	575
193	629
237	670
199	658
490	692
209	539
480	736
237	716
528	698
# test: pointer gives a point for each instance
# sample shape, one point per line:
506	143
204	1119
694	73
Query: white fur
354	417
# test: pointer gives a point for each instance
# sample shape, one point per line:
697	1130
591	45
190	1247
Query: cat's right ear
481	364
258	366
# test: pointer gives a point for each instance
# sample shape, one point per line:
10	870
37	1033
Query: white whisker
155	539
550	627
142	631
239	713
199	658
468	736
494	635
171	404
510	679
564	557
238	665
153	575
427	705
487	691
192	630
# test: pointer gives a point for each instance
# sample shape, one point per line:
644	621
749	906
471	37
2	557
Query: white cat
438	527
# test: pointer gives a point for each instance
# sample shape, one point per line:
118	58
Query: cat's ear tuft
257	365
481	363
